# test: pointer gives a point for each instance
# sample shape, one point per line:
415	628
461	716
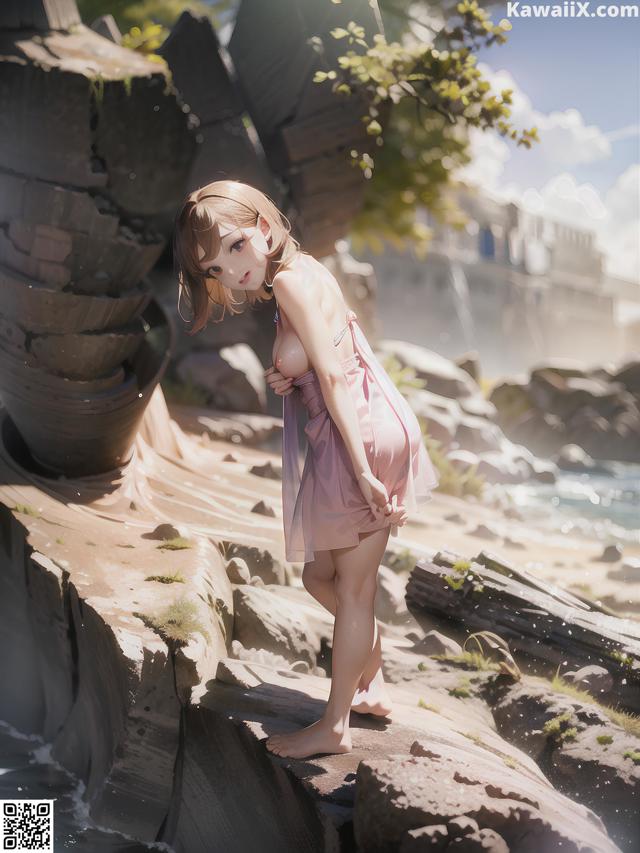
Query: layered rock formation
154	635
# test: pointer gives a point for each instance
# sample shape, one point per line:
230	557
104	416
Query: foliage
461	690
428	706
475	660
128	13
175	578
497	645
453	481
403	560
176	623
178	543
145	25
404	378
556	729
433	94
627	721
604	739
26	509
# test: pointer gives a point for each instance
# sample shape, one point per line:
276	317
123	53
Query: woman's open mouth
245	277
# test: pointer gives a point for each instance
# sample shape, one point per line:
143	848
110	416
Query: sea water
29	772
602	506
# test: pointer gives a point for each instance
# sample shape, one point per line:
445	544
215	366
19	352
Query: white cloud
619	235
565	139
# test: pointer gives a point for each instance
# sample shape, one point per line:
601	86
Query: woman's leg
353	633
318	578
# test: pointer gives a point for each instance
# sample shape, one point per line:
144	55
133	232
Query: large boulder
441	375
231	378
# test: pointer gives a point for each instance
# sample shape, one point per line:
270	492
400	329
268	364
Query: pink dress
323	507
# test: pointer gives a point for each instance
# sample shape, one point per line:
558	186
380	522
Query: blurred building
515	286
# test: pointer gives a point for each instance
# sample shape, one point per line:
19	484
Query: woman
365	465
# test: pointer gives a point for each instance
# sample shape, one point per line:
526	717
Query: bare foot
374	699
319	737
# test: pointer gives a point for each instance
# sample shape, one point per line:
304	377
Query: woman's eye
237	243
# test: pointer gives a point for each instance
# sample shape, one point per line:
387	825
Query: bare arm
299	303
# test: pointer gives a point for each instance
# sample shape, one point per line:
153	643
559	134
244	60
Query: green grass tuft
176	623
178	543
176	578
26	509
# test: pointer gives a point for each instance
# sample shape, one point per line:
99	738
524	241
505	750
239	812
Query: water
28	772
605	507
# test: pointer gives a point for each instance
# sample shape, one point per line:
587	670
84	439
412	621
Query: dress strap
351	315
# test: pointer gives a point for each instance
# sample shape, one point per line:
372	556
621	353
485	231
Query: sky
578	81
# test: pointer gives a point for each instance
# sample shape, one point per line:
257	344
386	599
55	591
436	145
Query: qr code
26	826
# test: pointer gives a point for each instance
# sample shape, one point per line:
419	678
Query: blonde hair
197	222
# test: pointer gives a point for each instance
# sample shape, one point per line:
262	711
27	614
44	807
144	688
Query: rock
541	432
462	825
544	471
440	426
263	619
259	562
629	376
610	554
441	782
432	837
482	841
513	512
163	532
390	605
495	467
425	402
478	434
571	457
513	543
629	571
263	509
300	666
262	656
470	363
442	375
238	571
595	679
462	459
229	457
236	427
483	531
268	469
232	378
435	643
479	406
455	518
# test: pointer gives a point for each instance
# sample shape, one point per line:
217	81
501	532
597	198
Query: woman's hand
397	516
278	383
375	493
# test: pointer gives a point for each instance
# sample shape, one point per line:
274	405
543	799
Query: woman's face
241	263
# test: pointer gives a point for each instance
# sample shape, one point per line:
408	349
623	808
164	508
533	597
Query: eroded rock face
576	743
87	125
264	620
448	787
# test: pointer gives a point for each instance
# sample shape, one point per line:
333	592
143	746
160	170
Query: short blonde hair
228	202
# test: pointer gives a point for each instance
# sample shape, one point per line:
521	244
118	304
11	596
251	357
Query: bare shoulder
296	287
